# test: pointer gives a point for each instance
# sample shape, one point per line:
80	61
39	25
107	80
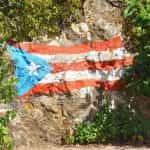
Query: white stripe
112	75
104	55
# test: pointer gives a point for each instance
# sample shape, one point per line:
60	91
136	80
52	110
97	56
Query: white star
32	68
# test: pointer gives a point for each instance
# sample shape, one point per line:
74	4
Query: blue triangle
23	61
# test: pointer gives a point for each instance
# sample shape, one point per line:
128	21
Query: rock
104	19
46	119
82	29
117	98
109	28
75	28
39	124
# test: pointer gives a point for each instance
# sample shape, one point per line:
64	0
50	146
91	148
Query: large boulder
44	119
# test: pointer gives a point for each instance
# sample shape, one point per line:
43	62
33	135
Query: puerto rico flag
45	69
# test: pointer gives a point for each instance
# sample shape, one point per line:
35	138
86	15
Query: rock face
48	119
45	119
105	19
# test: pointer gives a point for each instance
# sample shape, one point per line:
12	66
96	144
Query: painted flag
42	68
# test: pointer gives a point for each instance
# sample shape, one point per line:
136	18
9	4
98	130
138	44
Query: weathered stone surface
48	119
105	20
45	119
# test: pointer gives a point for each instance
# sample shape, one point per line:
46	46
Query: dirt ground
85	147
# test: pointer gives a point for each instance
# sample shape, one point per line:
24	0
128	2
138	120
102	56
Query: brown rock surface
46	119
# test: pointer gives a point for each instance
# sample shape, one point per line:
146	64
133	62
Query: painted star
32	68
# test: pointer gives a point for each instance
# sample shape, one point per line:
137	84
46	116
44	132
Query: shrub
6	142
7	94
26	19
119	125
137	16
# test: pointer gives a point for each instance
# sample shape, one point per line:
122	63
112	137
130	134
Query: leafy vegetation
137	15
7	81
6	142
7	94
26	19
112	125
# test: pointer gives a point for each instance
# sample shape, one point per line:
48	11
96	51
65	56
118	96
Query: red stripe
84	65
59	88
76	49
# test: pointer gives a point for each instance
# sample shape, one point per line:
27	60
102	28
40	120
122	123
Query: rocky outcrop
44	119
49	119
